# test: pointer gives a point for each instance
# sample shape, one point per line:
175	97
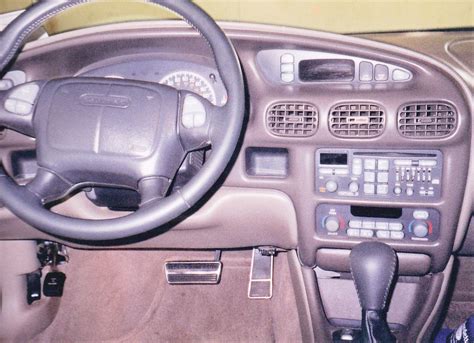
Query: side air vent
356	120
292	119
427	119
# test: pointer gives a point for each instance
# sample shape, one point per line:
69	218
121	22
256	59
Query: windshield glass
340	16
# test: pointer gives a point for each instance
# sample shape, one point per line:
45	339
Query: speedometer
190	81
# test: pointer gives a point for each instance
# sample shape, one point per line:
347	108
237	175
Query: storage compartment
266	162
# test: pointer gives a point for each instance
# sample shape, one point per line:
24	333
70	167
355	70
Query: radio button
369	188
427	163
369	176
366	233
397	235
357	169
382	189
325	171
368	224
353	232
383	164
397	190
409	192
331	186
381	225
382	177
355	224
341	172
383	234
395	226
369	164
354	187
403	163
357	166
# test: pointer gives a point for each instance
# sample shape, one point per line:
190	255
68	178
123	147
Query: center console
374	176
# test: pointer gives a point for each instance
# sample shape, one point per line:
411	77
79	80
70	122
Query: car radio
393	223
389	174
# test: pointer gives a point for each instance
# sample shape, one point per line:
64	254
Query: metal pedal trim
193	272
261	275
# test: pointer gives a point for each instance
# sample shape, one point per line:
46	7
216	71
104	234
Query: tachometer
190	81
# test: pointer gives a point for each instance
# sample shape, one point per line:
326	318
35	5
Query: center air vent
292	119
357	120
427	120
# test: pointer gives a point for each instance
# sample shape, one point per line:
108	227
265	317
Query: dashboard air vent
356	120
292	119
427	119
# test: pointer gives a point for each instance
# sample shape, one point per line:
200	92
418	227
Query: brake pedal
261	273
194	272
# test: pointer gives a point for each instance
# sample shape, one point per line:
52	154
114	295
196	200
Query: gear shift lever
373	266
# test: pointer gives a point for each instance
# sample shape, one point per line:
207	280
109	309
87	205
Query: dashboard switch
287	58
366	71
287	77
400	75
381	72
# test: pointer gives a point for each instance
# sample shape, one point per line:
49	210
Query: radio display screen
333	159
376	212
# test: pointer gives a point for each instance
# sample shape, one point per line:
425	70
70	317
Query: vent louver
427	120
292	119
357	120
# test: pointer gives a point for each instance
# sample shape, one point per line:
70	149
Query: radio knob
354	187
420	229
331	224
397	190
331	186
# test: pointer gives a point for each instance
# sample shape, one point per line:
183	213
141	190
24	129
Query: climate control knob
331	224
420	228
331	186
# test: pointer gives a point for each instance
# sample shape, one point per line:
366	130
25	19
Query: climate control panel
393	223
369	174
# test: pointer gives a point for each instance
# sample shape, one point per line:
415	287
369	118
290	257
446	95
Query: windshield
340	16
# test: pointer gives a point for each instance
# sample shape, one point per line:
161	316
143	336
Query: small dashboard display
333	159
376	212
326	70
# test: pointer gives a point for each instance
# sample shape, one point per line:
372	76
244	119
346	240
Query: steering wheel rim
28	207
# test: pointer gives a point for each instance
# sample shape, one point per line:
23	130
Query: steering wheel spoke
17	107
48	186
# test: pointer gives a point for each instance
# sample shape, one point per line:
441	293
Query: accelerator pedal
261	273
194	272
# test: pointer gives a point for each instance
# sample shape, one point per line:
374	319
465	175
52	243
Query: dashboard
346	139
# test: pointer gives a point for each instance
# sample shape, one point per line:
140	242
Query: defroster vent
357	120
427	120
292	119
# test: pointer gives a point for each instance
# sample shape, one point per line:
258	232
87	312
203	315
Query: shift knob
373	266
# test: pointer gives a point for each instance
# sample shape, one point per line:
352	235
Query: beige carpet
122	296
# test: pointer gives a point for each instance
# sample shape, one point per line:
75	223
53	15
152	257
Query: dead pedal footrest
193	272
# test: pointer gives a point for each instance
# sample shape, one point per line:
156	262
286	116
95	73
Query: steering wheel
97	132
